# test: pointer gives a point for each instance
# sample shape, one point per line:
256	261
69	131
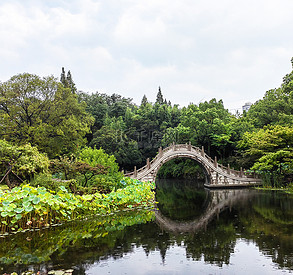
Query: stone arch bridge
216	175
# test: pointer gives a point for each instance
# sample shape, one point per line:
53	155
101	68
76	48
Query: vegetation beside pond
41	192
29	207
287	188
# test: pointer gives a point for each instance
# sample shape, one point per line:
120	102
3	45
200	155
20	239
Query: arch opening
187	167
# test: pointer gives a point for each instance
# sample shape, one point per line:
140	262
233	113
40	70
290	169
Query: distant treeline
57	118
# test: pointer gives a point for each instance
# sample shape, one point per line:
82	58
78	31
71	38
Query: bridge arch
217	175
193	157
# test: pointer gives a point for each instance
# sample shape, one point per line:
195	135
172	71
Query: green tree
276	107
269	149
114	140
71	84
160	98
63	79
42	112
209	124
98	158
144	100
67	81
19	163
97	106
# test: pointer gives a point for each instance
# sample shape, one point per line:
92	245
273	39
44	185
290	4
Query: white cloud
231	50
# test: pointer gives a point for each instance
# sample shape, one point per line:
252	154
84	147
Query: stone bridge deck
216	174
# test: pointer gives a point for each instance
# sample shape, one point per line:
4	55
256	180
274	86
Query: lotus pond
191	231
28	207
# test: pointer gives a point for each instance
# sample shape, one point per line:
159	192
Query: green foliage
129	132
160	99
29	207
181	168
269	150
179	134
96	157
276	107
53	184
67	81
63	167
59	120
24	161
42	112
71	169
91	168
115	142
209	125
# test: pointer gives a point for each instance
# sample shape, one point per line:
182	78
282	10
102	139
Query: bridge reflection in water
186	206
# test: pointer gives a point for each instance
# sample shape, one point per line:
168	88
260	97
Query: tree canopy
42	112
58	119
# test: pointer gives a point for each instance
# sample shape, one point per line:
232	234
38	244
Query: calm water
193	231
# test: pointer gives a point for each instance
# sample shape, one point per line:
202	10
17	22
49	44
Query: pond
193	230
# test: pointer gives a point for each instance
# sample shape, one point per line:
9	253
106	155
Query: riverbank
287	189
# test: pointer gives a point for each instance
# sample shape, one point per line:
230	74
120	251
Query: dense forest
58	121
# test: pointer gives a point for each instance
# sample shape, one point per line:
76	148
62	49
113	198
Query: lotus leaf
29	208
11	214
18	210
38	206
42	190
16	189
26	203
26	188
18	216
36	200
4	214
26	199
62	188
5	203
9	208
87	197
31	197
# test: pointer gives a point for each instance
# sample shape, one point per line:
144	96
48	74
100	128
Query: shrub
21	163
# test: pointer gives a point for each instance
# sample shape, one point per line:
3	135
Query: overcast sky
195	50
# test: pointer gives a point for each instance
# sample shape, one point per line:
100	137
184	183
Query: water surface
192	231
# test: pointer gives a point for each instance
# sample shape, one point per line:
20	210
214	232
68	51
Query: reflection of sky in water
246	260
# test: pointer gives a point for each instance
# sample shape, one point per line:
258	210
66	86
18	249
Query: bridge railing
158	156
172	147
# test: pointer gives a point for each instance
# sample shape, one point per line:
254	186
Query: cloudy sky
194	50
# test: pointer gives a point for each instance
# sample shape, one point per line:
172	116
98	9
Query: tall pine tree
70	83
160	99
144	100
67	81
63	78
